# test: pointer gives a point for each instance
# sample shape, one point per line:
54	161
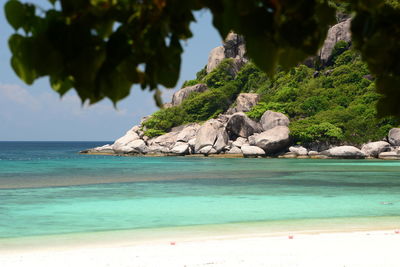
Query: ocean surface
47	188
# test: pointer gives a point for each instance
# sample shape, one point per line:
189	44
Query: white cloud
19	95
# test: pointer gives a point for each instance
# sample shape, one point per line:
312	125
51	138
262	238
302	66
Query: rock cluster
227	135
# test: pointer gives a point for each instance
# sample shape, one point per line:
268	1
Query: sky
37	113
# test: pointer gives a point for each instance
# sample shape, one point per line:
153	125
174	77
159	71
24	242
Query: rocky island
231	110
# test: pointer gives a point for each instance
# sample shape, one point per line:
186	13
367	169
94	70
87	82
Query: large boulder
188	133
271	119
344	152
373	149
167	140
184	93
207	150
207	134
338	32
245	101
239	142
180	149
215	57
241	125
394	137
222	140
234	150
252	151
298	150
390	155
233	47
272	141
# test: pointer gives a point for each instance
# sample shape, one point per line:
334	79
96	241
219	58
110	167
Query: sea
49	189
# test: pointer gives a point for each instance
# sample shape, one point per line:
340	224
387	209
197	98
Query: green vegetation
335	103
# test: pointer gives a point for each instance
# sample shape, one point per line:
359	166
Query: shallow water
47	188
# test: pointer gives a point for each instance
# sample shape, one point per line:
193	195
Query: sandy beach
361	248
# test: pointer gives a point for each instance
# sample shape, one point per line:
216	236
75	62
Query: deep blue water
48	188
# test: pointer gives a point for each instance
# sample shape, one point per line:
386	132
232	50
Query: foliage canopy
102	47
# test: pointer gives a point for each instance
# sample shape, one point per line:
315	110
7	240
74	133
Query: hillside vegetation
335	103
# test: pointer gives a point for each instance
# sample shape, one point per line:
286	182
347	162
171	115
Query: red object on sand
397	231
290	237
172	243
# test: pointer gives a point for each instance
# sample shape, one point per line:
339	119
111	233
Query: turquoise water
47	188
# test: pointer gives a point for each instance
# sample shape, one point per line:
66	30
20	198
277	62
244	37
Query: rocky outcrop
241	125
344	152
102	149
122	143
215	57
394	137
272	141
338	32
252	151
244	102
233	47
271	119
373	149
184	93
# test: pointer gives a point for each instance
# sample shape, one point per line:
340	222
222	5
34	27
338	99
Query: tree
102	47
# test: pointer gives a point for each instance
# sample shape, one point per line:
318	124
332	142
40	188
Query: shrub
221	74
190	83
153	133
307	131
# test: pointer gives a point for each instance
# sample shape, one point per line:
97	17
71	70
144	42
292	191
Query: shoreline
227	156
197	233
342	248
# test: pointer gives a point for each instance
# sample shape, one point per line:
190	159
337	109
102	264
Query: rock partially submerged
373	149
344	152
299	150
252	151
391	155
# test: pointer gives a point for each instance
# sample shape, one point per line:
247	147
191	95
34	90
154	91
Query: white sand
371	248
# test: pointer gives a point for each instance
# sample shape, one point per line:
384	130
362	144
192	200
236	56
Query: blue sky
37	113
